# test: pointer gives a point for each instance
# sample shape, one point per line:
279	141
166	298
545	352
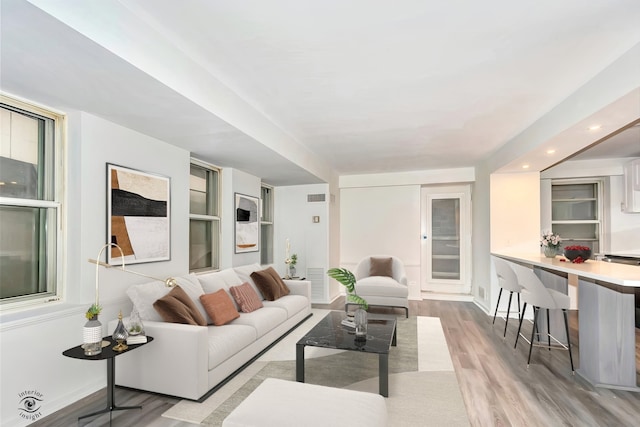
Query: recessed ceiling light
525	166
551	151
595	127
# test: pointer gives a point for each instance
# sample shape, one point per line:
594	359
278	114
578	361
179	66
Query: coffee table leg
300	363
383	374
395	335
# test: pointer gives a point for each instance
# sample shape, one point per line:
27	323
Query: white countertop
619	274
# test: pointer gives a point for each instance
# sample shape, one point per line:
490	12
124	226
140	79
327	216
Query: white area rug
429	393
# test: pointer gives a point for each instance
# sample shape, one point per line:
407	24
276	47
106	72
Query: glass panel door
445	238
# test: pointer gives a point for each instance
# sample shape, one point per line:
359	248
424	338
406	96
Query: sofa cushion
145	294
246	297
219	307
381	286
178	307
244	273
227	340
381	267
269	283
293	304
263	320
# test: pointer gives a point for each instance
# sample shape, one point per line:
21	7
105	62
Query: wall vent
315	197
316	276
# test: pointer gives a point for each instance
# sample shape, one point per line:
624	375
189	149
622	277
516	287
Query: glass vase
360	320
120	335
550	252
136	327
92	337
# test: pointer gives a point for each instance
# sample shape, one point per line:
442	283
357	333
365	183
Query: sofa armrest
299	287
174	363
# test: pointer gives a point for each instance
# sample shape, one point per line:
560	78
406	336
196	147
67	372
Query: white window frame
55	149
266	225
217	217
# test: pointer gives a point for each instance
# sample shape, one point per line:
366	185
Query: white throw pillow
144	295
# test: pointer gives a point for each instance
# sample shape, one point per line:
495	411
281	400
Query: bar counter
606	314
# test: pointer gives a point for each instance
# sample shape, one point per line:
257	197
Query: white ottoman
288	403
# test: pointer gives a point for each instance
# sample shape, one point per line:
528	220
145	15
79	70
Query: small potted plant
292	265
348	280
93	312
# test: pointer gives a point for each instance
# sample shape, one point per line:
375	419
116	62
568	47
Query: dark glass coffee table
331	333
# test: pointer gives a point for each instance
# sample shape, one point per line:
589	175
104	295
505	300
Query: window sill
20	318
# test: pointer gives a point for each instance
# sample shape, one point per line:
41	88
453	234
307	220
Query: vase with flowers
550	243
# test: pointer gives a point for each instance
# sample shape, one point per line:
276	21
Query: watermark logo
29	404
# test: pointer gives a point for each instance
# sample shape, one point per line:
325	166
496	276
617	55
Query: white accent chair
534	292
382	290
508	280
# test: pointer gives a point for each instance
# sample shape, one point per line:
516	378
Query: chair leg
406	309
524	307
535	319
566	326
497	304
548	330
506	323
518	306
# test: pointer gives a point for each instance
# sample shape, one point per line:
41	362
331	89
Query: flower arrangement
550	239
293	260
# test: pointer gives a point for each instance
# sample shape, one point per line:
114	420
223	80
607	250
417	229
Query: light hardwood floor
497	387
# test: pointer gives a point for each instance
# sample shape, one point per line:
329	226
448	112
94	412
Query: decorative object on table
287	259
247	226
138	217
348	280
92	331
120	335
360	320
577	254
135	328
292	265
550	243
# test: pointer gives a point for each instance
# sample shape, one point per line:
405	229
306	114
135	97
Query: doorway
446	239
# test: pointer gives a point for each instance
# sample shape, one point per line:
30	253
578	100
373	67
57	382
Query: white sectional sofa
189	361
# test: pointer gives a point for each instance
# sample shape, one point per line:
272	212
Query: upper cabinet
631	202
576	212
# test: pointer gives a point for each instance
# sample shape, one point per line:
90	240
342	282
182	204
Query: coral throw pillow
381	267
219	307
270	284
246	297
177	307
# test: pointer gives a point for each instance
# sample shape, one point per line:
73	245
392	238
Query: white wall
309	240
235	181
382	221
33	340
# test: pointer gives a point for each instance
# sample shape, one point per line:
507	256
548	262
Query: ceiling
288	90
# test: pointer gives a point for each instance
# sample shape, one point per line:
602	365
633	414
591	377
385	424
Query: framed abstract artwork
247	223
138	216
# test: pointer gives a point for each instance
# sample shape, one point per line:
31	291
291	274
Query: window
266	225
30	206
204	217
576	212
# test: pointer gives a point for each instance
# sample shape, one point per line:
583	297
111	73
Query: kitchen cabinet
576	212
